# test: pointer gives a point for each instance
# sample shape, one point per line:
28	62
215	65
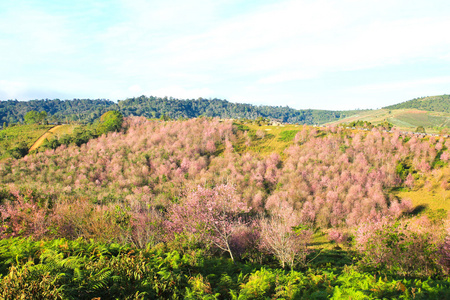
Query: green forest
87	110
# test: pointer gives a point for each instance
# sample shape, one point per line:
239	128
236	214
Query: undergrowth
63	269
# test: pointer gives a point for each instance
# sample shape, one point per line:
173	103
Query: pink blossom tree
337	236
213	214
280	237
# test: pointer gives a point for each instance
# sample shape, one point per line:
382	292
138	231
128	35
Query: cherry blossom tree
281	236
214	214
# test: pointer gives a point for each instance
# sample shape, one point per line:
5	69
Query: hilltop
439	103
433	113
87	110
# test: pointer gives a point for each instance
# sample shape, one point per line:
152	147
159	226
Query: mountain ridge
87	110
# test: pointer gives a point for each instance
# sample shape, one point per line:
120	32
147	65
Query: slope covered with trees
86	110
196	210
81	110
154	107
433	103
330	177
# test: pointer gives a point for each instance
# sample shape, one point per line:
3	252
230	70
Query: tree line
88	110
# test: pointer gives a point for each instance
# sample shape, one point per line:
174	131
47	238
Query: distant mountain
87	110
433	103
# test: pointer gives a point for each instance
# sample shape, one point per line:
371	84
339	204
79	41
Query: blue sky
323	54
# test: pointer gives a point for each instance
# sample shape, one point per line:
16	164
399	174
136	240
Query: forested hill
83	110
433	103
87	110
154	107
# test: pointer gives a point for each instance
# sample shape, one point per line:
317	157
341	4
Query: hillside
15	141
432	103
403	119
403	115
209	207
156	160
80	110
154	107
87	110
55	132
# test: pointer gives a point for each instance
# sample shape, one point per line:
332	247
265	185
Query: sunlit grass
266	139
11	137
55	132
403	119
435	199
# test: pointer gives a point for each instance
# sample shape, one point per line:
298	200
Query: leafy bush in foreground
62	269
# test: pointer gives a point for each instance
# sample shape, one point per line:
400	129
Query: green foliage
368	125
86	110
80	135
358	124
287	135
33	117
436	215
420	129
154	107
404	168
62	269
241	127
397	249
110	121
79	110
385	125
19	151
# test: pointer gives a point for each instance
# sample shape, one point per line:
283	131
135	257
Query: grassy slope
440	103
403	119
56	131
272	141
12	136
428	192
427	195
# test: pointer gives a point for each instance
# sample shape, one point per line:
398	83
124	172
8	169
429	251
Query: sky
319	54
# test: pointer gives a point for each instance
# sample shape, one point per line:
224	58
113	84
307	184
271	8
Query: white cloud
286	39
191	49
